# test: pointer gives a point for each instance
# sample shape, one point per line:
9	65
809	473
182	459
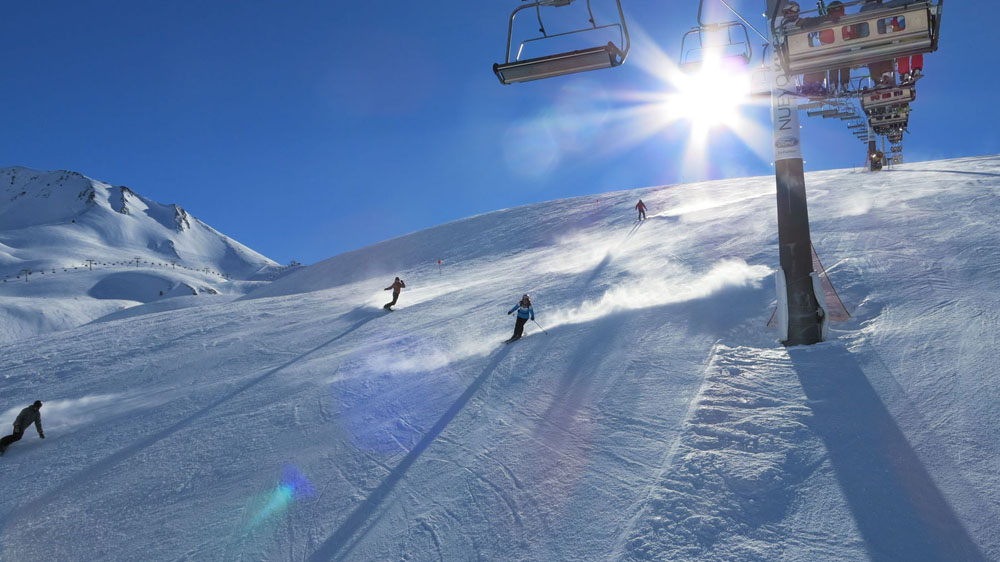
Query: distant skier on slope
524	311
641	207
396	286
28	416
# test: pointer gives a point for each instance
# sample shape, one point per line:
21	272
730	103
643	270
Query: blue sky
306	129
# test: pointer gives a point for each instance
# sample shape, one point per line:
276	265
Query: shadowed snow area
656	418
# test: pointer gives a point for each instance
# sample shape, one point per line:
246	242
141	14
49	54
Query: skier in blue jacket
524	311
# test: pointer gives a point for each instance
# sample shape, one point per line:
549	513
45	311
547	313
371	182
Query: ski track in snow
657	419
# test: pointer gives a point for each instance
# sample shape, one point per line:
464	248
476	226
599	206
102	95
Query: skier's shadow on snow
631	233
901	513
360	521
362	315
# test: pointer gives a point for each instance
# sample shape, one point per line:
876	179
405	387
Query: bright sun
710	96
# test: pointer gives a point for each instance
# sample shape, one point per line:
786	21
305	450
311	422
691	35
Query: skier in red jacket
396	286
641	207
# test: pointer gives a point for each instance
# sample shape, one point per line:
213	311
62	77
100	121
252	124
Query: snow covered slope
58	225
654	419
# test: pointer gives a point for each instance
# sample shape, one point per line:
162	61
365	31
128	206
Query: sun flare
711	96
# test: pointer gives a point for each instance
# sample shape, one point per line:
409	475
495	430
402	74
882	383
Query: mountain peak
37	207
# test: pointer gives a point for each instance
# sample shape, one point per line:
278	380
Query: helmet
791	8
37	404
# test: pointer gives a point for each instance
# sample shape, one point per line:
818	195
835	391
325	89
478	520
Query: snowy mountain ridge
32	199
135	250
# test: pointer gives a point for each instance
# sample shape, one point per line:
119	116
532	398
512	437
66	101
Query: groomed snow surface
657	419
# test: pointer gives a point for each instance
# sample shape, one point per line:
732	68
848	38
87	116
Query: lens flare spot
292	486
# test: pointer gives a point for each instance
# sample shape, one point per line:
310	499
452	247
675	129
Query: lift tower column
804	319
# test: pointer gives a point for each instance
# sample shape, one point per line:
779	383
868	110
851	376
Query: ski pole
540	327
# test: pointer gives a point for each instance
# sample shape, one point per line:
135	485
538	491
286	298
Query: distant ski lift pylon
561	63
887	31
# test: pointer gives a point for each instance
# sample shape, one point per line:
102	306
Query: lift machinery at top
560	63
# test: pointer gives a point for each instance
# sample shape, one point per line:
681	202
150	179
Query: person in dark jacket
641	207
28	416
524	311
396	286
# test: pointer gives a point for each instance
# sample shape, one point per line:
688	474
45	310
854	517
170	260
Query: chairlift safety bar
558	64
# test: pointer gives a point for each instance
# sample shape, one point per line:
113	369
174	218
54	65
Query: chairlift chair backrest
884	97
735	52
885	33
562	63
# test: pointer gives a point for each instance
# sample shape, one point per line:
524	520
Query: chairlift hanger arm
537	4
737	14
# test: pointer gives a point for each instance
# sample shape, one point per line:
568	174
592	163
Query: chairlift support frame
560	64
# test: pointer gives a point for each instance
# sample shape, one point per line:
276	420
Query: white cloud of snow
657	291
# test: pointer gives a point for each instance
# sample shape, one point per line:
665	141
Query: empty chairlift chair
606	55
728	41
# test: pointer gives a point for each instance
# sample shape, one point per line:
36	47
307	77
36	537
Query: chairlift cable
743	19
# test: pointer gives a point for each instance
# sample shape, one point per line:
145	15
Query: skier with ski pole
524	311
641	207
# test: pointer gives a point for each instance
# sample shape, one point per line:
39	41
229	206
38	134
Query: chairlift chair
861	38
559	64
735	51
888	96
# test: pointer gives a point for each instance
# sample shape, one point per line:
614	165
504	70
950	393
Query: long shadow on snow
104	465
901	513
358	523
580	375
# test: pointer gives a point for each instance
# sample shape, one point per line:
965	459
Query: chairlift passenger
790	14
840	78
881	72
916	65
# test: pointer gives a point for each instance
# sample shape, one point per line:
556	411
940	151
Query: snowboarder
396	286
641	207
28	416
524	311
